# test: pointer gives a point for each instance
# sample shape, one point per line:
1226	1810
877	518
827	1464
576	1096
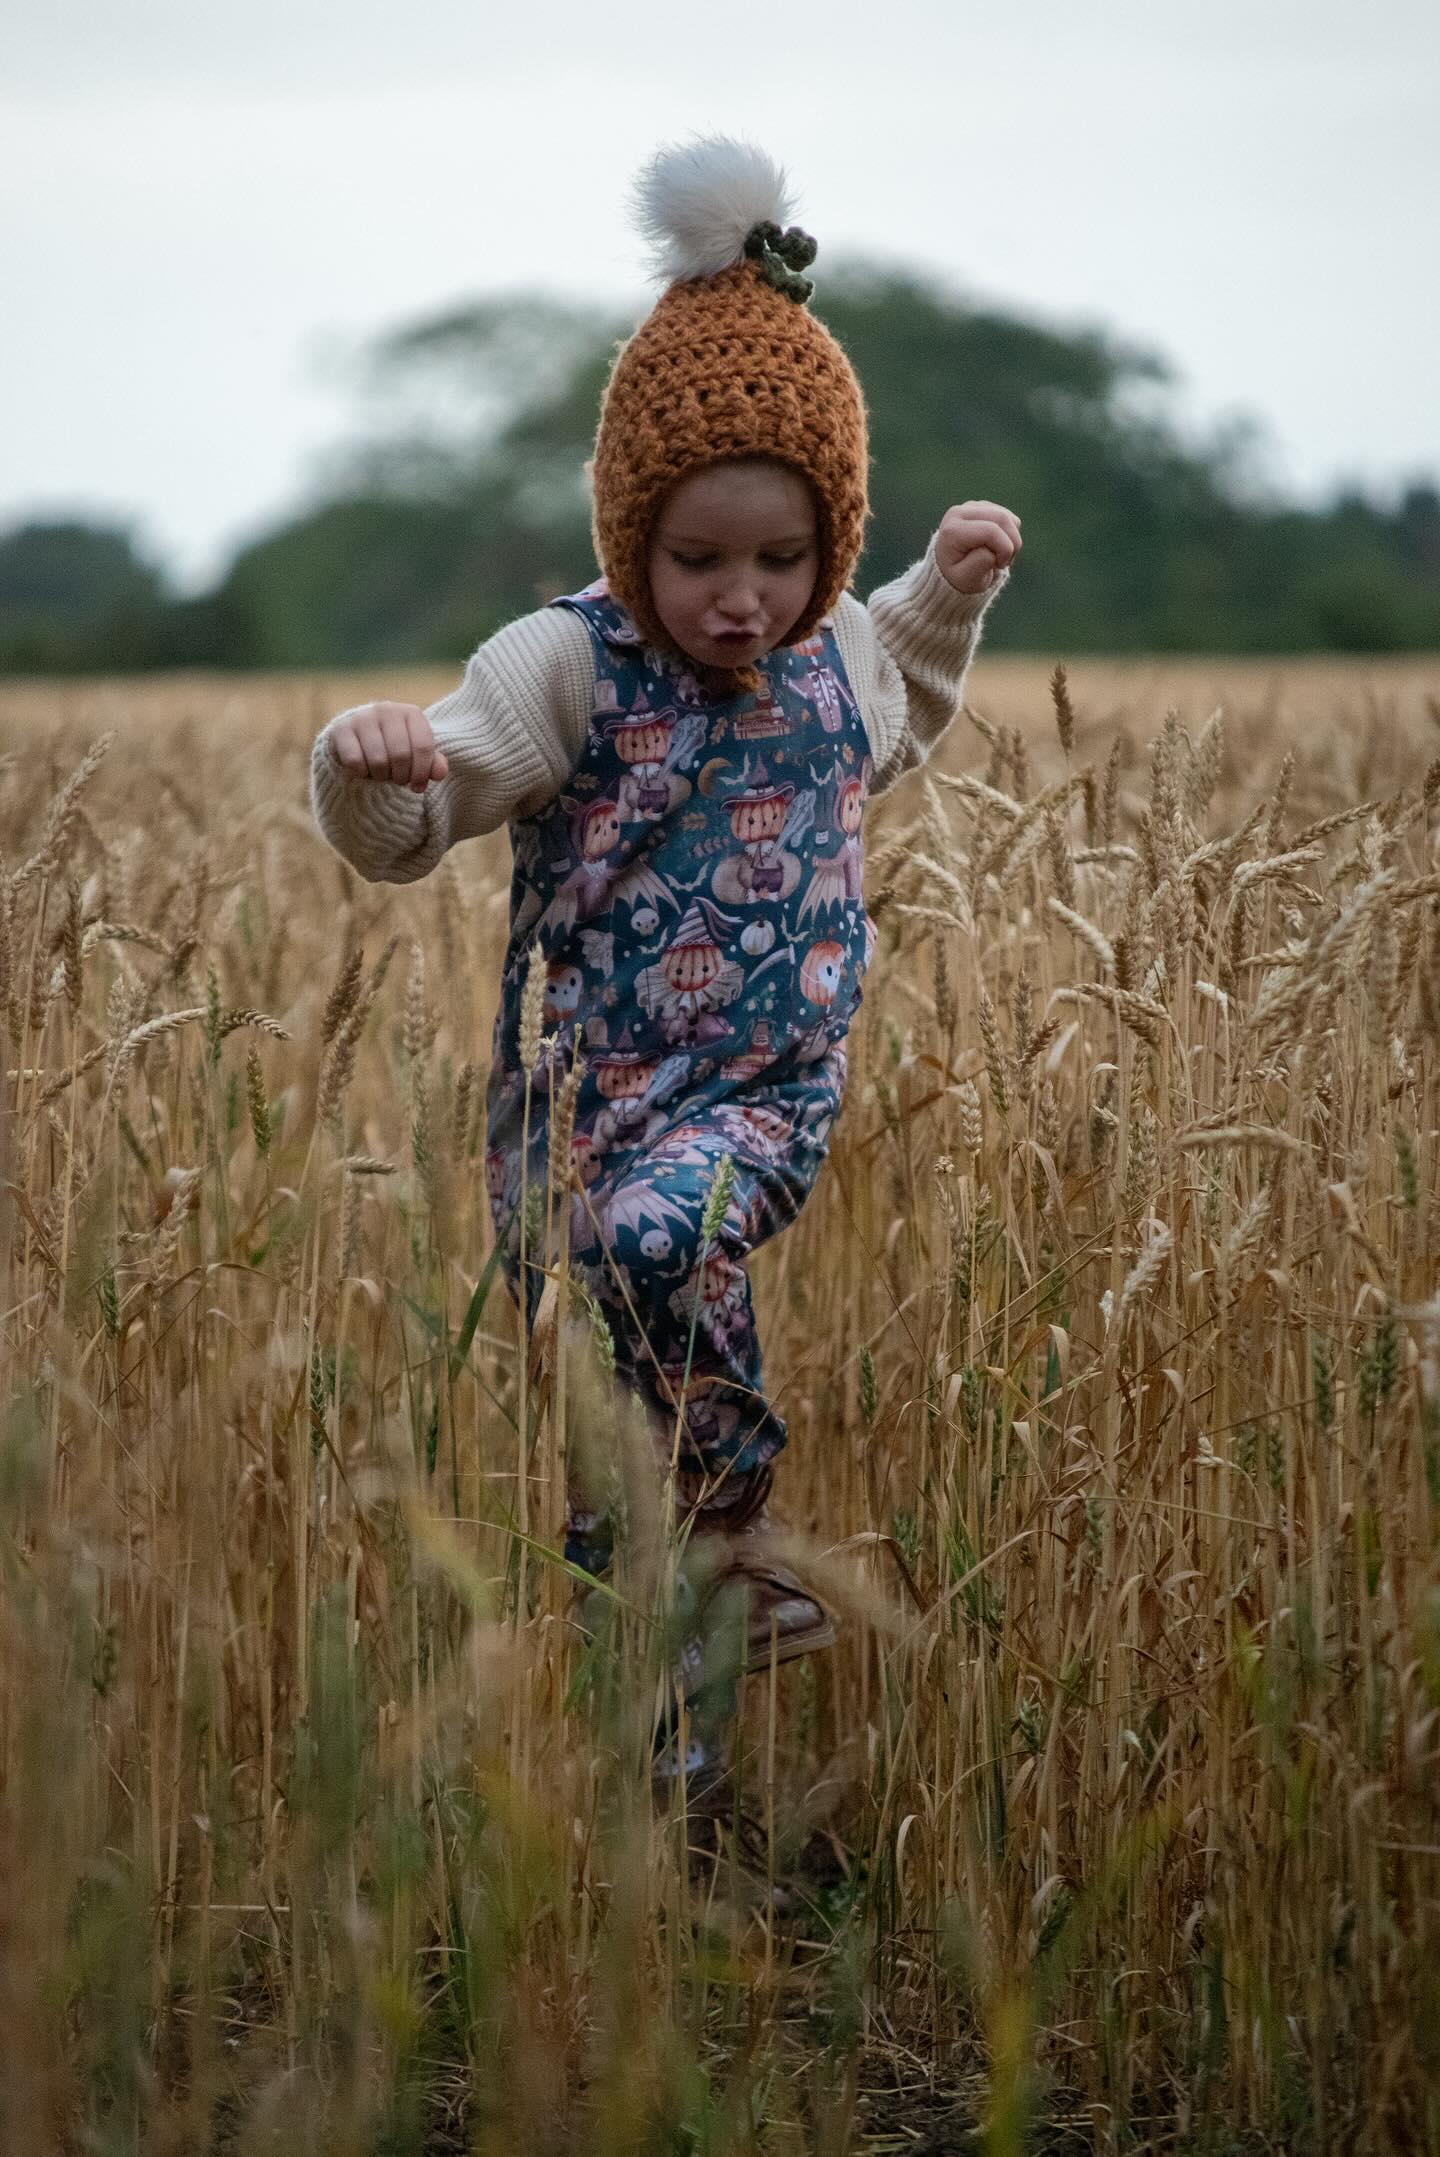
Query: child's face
733	560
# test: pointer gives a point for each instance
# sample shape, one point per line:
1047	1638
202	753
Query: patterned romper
696	892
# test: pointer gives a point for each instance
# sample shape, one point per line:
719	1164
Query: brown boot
731	1547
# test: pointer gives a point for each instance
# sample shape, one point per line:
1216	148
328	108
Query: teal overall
695	889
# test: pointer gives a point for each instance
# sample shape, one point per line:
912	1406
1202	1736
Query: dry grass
1110	1345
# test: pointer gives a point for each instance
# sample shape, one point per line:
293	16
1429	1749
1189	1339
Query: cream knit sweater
513	731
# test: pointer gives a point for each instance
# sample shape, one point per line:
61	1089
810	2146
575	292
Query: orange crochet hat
730	363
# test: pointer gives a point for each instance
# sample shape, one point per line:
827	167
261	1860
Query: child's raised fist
387	741
976	542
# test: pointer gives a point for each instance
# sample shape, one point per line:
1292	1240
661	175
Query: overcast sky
203	207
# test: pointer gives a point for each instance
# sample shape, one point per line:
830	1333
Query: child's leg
682	1316
678	1303
655	1294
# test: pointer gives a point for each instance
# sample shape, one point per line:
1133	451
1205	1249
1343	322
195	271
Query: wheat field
1110	1349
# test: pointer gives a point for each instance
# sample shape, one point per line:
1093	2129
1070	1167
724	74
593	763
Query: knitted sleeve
512	733
907	655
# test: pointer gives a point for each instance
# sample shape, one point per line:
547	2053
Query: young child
682	752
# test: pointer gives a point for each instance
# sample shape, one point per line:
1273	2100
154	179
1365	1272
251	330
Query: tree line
463	503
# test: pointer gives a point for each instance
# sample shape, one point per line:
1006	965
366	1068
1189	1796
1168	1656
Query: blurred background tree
464	503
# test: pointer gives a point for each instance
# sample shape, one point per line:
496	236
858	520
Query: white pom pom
696	204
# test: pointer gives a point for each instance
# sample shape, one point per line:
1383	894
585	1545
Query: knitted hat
730	363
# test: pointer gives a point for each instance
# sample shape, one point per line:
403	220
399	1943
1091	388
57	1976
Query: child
682	752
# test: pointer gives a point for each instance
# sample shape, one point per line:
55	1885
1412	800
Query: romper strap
604	617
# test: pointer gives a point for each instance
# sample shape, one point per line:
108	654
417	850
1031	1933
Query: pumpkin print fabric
695	889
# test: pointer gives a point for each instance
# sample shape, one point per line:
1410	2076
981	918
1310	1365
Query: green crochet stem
781	256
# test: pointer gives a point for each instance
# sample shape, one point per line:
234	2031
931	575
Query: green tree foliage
68	586
464	503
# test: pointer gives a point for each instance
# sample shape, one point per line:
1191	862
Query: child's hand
388	741
975	543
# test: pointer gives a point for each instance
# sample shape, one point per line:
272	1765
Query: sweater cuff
370	822
934	612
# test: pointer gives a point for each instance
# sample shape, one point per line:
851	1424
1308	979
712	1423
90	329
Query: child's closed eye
708	561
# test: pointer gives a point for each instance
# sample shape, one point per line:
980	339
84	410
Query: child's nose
741	599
